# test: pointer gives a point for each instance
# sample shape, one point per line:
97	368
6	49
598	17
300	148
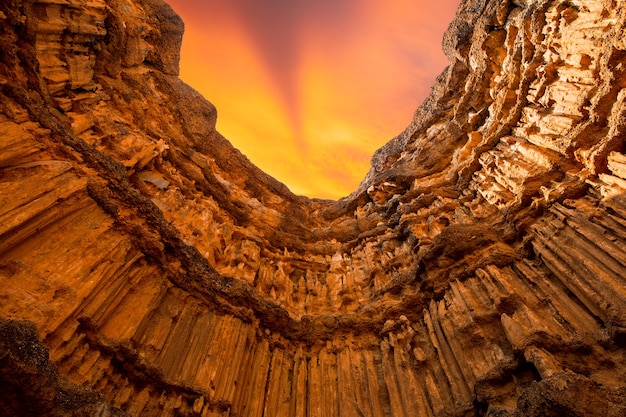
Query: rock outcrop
148	268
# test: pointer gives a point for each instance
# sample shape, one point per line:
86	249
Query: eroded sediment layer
478	269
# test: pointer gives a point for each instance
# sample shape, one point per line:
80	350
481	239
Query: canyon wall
148	268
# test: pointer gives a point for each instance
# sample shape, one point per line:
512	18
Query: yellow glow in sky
308	90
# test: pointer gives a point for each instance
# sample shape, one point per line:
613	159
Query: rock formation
148	268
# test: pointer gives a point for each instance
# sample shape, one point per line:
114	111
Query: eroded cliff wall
148	268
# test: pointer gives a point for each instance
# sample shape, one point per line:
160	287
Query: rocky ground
148	268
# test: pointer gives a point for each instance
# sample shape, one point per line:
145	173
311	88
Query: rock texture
148	268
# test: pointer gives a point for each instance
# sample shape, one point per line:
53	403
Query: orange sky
309	89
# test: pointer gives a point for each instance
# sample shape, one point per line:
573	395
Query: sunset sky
309	89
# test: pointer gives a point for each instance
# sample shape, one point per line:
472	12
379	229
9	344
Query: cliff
148	268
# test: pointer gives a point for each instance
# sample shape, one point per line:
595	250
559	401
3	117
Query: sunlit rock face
148	268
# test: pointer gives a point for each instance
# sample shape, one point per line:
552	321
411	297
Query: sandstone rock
477	270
